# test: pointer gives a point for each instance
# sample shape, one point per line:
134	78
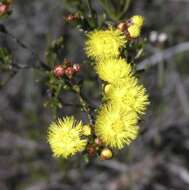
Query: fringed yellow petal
129	94
112	70
102	44
64	137
116	128
137	20
134	31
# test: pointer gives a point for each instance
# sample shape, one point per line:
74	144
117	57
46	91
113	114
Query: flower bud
134	31
69	72
67	62
106	154
87	130
71	17
107	88
3	8
98	141
76	67
122	26
137	20
58	71
91	150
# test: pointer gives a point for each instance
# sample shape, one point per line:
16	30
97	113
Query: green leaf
5	59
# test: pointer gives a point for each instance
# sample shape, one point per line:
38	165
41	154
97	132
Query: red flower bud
76	67
98	141
67	62
58	71
3	8
71	17
91	150
122	26
69	72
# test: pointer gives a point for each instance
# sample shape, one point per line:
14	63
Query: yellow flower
64	137
106	88
137	20
116	128
129	94
134	31
87	130
112	70
104	43
106	154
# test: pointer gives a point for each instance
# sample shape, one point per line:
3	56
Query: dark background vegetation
157	160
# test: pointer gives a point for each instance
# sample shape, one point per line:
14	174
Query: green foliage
55	86
135	49
52	54
60	74
114	9
111	10
5	59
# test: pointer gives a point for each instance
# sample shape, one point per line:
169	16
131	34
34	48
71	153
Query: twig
91	10
181	93
123	168
107	9
10	77
42	64
125	8
179	171
134	173
179	1
85	106
163	55
113	165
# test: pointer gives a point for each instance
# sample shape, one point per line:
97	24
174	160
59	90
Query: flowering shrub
125	100
114	124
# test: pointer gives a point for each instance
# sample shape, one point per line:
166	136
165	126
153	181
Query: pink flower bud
76	67
3	8
58	71
69	72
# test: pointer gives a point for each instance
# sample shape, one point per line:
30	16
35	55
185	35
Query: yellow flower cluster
135	27
119	69
104	44
116	127
128	93
64	137
125	99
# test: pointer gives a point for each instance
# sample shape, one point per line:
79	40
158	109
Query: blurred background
157	160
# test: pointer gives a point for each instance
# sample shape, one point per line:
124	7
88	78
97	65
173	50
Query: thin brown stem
85	106
162	56
42	64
